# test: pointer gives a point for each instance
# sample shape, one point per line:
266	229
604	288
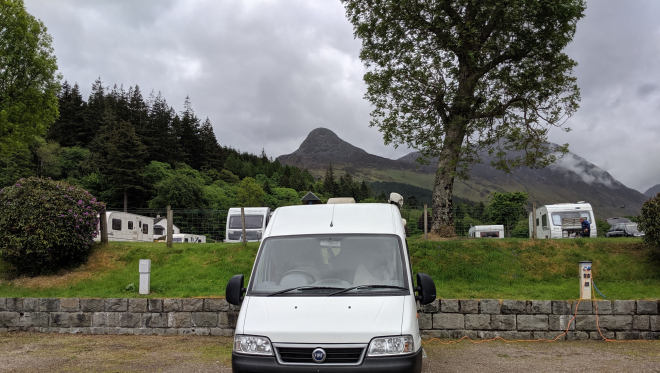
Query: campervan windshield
251	222
557	217
319	265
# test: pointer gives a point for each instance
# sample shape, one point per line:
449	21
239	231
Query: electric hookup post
145	274
586	282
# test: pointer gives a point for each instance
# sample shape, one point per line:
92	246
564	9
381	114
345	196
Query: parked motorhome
185	237
256	220
160	228
331	290
486	231
124	226
562	220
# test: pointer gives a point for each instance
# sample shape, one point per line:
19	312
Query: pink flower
80	202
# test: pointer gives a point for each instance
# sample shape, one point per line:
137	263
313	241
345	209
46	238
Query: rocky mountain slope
652	191
571	179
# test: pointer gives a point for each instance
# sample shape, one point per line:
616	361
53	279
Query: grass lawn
506	268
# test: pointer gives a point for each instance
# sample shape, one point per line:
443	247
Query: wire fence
204	222
212	223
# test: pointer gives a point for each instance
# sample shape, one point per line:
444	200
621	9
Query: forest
140	152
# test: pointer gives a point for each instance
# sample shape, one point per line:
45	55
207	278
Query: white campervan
185	237
124	226
562	220
256	220
331	290
486	231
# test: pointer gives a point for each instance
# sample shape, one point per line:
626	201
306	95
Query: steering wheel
298	271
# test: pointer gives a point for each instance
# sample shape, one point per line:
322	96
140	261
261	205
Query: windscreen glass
251	222
557	217
336	261
632	228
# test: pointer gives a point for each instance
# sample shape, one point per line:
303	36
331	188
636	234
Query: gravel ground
27	352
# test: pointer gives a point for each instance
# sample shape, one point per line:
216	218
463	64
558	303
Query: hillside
571	179
507	268
652	191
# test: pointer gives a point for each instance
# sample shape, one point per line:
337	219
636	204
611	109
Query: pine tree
189	137
209	152
94	114
162	141
71	123
329	184
121	157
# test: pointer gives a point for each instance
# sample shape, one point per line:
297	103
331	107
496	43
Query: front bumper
390	364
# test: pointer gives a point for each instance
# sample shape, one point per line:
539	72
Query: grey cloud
267	72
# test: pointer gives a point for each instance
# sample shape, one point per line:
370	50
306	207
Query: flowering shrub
46	225
649	222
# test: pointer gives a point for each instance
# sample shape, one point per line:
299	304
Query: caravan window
544	220
130	225
537	222
158	230
251	222
176	240
145	228
116	224
558	216
185	240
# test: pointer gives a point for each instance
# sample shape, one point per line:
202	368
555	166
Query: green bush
649	222
46	225
521	230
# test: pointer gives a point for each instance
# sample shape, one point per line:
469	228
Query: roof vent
581	202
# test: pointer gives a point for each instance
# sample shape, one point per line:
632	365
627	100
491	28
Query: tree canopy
28	78
453	77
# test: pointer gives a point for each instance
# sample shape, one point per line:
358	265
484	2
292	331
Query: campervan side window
537	222
544	220
158	230
116	224
185	240
558	216
130	225
145	228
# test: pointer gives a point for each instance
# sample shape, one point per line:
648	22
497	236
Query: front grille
333	355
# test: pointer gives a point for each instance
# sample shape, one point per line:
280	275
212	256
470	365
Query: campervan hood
297	319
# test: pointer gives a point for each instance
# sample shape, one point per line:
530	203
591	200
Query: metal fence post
534	233
243	224
170	225
426	238
104	227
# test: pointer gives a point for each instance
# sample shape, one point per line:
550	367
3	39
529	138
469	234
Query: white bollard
585	280
145	274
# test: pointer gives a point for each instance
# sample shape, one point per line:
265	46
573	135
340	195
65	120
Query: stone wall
446	318
515	319
118	316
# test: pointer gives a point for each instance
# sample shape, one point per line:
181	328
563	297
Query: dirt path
26	352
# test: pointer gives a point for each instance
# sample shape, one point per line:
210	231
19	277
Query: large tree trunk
442	222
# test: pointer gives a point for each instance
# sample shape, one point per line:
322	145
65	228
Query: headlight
391	346
254	345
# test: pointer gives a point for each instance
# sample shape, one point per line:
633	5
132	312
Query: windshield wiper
368	287
302	288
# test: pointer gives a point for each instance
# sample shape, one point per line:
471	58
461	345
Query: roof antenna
333	215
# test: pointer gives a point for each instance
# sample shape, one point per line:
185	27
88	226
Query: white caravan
124	226
331	290
562	220
256	220
185	237
486	231
160	228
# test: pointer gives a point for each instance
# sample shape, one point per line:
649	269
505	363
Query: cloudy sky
267	72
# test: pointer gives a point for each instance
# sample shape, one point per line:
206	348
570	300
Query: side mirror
234	291
425	289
